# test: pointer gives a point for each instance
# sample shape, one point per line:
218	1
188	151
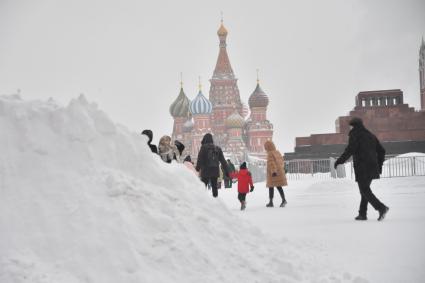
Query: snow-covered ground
319	219
83	200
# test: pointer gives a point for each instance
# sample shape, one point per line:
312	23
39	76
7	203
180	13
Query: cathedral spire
223	69
222	31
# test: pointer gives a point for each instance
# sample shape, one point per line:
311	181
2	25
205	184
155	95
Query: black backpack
213	157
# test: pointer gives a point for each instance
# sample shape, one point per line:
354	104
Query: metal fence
324	168
317	168
404	167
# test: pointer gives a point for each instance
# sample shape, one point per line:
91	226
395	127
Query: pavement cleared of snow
319	220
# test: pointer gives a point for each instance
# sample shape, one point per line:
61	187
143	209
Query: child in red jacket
244	183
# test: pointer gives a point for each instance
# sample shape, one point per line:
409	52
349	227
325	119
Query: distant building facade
240	131
399	127
422	73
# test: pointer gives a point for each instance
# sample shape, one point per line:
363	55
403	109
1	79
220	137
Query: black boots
381	217
361	217
382	213
270	204
243	205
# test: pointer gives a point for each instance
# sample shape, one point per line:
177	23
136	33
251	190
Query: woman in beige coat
275	172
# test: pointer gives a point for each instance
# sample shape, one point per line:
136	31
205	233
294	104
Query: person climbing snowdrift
168	151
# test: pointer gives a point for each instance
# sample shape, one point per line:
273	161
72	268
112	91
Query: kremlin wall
400	128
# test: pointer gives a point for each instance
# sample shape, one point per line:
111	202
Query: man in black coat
210	157
149	134
368	158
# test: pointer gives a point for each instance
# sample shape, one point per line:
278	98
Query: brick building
399	127
240	131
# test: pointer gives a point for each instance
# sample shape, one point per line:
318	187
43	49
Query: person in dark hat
180	148
368	158
149	134
208	163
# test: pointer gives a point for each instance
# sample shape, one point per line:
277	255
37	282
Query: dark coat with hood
149	134
204	163
368	153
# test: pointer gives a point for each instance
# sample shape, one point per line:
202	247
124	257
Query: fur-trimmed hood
269	146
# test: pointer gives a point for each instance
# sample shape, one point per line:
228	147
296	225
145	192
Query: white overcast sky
314	56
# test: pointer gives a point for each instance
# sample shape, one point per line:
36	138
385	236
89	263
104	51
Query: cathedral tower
179	109
235	145
224	92
258	128
201	109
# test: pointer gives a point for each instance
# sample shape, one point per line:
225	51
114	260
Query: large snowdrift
83	200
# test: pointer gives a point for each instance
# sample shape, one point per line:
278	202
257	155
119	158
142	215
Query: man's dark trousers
368	197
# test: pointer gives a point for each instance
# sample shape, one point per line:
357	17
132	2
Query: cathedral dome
235	121
188	126
222	31
200	105
258	98
180	106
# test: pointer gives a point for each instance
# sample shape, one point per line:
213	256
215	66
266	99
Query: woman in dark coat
210	157
368	158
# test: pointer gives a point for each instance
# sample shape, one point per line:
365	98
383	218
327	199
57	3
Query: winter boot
243	205
361	217
382	213
284	202
270	204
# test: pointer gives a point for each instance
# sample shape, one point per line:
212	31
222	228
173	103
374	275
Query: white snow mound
84	200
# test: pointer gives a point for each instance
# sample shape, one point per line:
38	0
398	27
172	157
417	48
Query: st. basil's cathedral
240	131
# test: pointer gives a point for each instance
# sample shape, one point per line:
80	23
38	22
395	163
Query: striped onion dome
188	126
235	121
200	105
180	106
258	98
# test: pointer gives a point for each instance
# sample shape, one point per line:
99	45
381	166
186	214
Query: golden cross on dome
200	85
181	79
221	12
258	77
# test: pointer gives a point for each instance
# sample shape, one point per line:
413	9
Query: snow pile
83	200
412	154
